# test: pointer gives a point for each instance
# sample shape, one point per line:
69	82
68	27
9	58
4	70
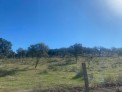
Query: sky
61	23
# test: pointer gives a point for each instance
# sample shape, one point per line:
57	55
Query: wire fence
104	71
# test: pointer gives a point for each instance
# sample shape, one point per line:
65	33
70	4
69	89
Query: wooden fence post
85	77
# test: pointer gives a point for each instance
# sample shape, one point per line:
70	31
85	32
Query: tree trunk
37	61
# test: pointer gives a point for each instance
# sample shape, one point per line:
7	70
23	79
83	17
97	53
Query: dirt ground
111	89
79	89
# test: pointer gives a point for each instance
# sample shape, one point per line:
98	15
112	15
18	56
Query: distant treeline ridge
42	50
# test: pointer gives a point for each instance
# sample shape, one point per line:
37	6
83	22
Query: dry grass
17	75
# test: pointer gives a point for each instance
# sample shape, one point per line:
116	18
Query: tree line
42	50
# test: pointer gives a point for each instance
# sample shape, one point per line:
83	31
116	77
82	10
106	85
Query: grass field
18	75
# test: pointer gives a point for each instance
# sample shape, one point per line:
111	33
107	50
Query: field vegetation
41	69
16	75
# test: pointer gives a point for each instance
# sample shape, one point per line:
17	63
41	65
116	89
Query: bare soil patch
80	89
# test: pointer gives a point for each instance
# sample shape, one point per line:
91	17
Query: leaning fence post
85	77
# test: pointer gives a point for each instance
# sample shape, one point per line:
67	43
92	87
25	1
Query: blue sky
61	23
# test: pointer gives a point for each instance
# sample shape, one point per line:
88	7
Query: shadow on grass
4	73
10	72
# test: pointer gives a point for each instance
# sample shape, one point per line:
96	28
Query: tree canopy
5	48
41	50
